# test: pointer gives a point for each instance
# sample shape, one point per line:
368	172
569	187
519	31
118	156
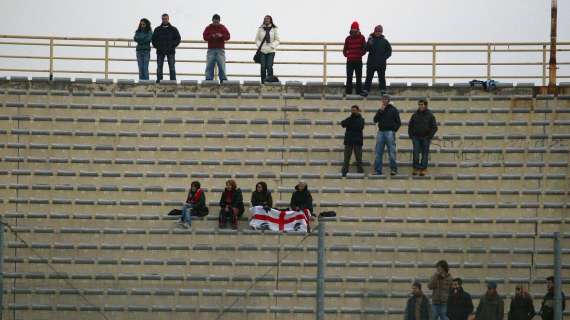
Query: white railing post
325	64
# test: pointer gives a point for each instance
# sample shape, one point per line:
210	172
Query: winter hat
354	26
379	28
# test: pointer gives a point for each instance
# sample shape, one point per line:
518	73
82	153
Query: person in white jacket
267	34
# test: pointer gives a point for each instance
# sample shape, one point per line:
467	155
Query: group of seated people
232	206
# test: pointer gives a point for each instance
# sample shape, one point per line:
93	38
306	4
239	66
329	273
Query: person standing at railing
379	50
216	34
165	39
354	49
267	40
143	37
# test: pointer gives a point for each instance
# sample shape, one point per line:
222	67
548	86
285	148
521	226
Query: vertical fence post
1	268
433	63
106	59
51	58
557	278
488	61
544	64
325	64
321	272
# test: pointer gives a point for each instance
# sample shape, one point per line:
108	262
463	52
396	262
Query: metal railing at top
433	62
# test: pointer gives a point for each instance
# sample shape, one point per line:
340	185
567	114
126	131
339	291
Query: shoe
423	172
221	225
234	226
377	173
415	172
393	172
182	224
344	172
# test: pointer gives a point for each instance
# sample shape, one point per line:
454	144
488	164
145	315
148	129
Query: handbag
257	56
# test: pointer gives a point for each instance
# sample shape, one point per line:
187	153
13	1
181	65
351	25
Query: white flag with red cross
279	220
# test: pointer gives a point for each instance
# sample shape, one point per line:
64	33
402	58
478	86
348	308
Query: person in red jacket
216	34
354	49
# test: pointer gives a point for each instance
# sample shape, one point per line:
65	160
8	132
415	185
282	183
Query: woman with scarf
231	205
267	40
261	196
195	205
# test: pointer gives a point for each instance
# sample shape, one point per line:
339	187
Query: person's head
456	284
385	100
416	288
378	30
194	186
144	25
261	187
231	185
355	110
301	186
442	266
519	290
491	288
216	19
165	19
422	105
354	28
550	283
268	20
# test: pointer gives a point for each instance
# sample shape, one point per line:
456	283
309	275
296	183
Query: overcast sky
298	20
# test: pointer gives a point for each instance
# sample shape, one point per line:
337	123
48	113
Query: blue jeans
421	147
213	57
186	213
385	138
439	311
267	66
143	58
160	63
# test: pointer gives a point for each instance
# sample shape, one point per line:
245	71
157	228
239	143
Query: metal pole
1	268
325	64
489	61
106	59
433	63
321	273
51	58
557	278
544	65
552	64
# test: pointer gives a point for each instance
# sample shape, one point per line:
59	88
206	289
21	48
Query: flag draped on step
279	220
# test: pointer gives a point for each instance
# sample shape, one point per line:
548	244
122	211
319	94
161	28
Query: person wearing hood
165	39
301	199
143	37
216	34
379	50
522	306
354	49
231	205
261	196
491	305
353	139
421	129
388	119
440	284
459	303
195	205
267	39
417	307
548	302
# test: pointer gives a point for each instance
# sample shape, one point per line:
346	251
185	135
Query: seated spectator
353	139
421	130
231	205
491	305
261	196
195	205
522	306
417	307
301	198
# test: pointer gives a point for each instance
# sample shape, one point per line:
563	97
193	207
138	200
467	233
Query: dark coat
422	125
547	307
165	39
459	305
410	313
199	208
237	201
302	199
262	198
522	308
379	50
389	119
490	308
354	127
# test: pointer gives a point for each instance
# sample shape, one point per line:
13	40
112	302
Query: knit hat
354	26
379	28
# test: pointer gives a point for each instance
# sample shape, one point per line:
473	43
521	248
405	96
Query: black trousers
353	67
348	149
370	70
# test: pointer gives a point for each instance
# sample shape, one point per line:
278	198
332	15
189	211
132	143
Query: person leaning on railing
165	39
143	37
267	39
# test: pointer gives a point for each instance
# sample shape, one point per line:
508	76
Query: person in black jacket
459	302
165	39
548	303
388	120
417	307
353	138
261	196
379	50
522	307
421	129
301	199
231	205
